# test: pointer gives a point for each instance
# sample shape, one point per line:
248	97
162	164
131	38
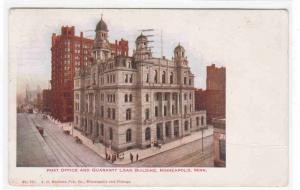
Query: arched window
155	76
147	78
148	134
130	98
128	114
171	78
147	97
202	120
128	135
126	98
163	77
131	78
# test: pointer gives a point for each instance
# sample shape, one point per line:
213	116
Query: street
59	149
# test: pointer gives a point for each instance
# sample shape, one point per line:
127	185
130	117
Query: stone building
135	101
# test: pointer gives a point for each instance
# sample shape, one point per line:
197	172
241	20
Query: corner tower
101	50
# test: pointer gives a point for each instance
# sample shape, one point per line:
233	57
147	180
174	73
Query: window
131	78
110	134
185	109
102	111
184	96
155	76
190	82
197	121
147	97
148	134
126	78
184	80
126	98
130	98
165	110
171	78
222	149
102	129
147	113
173	109
156	111
186	125
147	78
108	112
113	114
128	135
202	120
157	96
128	114
163	77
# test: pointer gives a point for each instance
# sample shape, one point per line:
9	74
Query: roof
101	26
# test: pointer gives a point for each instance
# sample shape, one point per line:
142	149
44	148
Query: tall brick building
213	99
69	54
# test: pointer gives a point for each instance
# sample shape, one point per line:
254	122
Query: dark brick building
213	99
46	97
69	54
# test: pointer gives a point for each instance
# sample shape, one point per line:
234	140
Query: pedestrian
137	157
131	158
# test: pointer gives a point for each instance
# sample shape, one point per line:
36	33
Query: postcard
148	97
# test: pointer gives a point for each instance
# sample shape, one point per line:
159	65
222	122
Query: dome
179	48
141	37
101	26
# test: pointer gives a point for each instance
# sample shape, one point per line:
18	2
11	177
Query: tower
179	55
142	50
101	48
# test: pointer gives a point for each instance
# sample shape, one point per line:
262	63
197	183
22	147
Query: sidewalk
143	153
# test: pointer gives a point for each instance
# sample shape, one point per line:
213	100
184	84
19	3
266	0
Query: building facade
213	99
134	101
71	53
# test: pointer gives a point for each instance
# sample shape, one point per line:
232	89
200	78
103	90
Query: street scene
121	103
55	148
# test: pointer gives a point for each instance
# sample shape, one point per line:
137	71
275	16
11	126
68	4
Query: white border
294	9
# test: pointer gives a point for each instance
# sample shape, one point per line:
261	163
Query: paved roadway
188	155
63	151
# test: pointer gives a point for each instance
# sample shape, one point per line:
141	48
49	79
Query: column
172	129
170	103
163	126
161	104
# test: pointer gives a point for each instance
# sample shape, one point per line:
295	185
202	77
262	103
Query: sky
205	35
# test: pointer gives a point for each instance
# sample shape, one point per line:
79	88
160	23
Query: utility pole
161	45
